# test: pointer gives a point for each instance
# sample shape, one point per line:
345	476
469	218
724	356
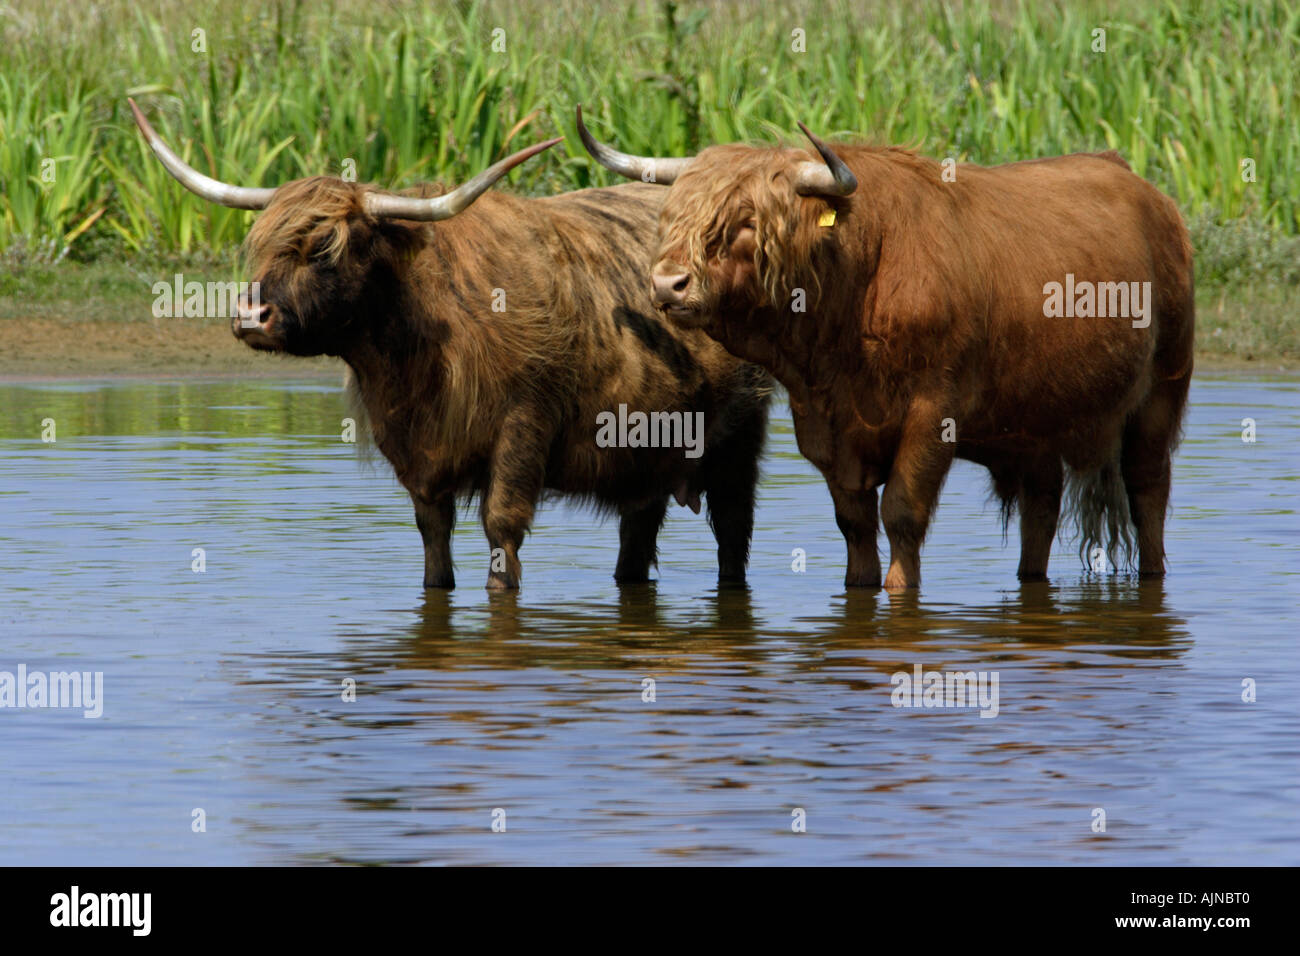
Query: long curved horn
648	169
388	206
237	197
831	179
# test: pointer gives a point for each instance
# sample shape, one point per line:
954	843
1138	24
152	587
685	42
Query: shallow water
222	689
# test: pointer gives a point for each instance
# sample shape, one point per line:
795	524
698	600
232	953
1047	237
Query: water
223	689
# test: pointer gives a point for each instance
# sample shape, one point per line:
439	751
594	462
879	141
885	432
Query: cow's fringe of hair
786	245
1096	502
321	206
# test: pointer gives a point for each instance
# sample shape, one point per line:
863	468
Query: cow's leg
1039	499
731	515
517	474
435	517
856	514
638	532
507	515
729	480
1149	437
912	490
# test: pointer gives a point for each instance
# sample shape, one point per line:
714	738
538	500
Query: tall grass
1186	90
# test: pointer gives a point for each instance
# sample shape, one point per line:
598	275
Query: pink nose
670	289
249	315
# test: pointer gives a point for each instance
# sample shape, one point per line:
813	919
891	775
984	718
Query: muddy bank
52	347
86	348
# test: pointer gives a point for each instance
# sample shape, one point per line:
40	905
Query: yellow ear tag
827	219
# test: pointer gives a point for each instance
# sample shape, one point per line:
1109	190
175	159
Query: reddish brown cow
485	349
915	316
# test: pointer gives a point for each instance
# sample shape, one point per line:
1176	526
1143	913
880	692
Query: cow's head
739	228
325	252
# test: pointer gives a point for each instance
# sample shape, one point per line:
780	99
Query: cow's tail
1096	503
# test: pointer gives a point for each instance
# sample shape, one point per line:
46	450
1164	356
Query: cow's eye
742	239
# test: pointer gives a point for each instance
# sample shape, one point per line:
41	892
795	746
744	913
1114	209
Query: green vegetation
409	91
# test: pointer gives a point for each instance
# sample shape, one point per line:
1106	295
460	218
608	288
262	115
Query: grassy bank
404	91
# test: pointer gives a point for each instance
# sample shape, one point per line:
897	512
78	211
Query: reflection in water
321	707
1122	618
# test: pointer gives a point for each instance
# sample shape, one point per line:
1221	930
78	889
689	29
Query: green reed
406	91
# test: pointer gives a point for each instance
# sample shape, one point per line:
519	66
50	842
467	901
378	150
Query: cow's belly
624	476
1054	380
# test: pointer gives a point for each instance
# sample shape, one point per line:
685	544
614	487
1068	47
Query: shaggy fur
925	302
464	399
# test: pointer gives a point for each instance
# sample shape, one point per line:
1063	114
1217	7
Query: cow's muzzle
670	289
256	324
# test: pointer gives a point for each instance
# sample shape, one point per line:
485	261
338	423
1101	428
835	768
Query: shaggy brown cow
484	348
917	317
